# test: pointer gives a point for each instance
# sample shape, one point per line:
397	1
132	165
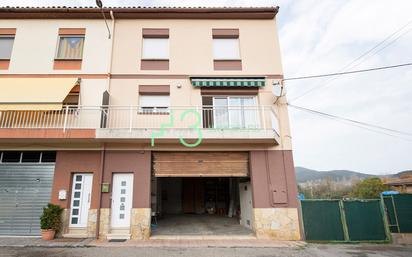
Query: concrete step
203	237
118	236
75	235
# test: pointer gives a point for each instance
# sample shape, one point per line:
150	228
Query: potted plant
50	221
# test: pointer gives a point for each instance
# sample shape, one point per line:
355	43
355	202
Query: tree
368	188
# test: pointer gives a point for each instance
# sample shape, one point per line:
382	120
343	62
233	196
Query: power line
360	57
359	124
377	45
348	72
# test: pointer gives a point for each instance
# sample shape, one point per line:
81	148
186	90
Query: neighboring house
174	114
402	185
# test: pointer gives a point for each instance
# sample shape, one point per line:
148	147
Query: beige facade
36	42
191	51
111	74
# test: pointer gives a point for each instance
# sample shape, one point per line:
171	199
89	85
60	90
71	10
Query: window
237	112
72	99
48	157
226	49
155	48
70	47
27	157
11	157
6	46
154	103
31	157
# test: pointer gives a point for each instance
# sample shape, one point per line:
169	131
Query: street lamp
99	4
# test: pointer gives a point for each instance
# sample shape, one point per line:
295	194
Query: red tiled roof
136	12
400	181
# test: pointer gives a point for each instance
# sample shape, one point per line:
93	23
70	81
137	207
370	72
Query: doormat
117	240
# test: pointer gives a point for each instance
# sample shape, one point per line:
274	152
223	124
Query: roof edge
139	13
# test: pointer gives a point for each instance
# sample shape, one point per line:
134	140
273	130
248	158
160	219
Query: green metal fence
399	212
344	221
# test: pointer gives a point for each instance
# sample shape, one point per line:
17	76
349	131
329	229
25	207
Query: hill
304	174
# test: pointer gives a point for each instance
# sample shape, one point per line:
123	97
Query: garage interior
200	194
199	206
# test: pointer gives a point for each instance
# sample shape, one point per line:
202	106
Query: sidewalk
38	242
183	242
202	243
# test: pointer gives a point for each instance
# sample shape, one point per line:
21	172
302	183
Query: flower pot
47	234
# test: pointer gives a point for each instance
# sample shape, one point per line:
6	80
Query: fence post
396	214
131	119
66	110
385	219
343	219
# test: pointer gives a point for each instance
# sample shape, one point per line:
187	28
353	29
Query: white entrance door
81	197
122	200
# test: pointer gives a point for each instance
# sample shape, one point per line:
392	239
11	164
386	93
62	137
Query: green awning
228	82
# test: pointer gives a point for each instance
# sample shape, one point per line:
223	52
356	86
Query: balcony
259	124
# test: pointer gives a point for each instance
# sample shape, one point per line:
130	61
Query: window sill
154	64
66	64
227	60
227	64
150	59
153	113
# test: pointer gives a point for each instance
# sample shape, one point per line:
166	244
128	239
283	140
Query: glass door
237	112
220	112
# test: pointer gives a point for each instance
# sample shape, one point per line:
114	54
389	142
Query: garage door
24	190
201	164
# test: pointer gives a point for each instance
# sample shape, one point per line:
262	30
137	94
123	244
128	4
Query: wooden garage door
201	164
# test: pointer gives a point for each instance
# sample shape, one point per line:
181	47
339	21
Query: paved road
308	251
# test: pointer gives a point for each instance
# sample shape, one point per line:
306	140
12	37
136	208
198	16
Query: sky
324	36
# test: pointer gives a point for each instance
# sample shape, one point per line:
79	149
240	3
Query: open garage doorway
195	206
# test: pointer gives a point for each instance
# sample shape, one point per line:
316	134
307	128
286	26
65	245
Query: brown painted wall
136	162
69	162
273	179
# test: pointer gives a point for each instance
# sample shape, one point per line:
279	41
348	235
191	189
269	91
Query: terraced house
165	122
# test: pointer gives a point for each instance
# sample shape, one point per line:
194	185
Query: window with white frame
154	103
226	49
6	46
155	48
237	112
70	47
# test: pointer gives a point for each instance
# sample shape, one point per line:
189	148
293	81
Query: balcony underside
208	135
141	135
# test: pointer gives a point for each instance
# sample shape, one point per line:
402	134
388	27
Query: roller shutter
24	190
201	164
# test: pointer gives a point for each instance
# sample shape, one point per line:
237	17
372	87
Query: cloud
325	38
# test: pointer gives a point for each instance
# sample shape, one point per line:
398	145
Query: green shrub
51	217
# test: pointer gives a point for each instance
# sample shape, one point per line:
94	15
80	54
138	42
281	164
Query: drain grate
117	240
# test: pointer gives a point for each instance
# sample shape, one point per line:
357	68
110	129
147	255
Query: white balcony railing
135	117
